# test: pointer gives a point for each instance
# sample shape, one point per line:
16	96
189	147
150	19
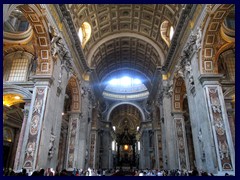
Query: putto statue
55	40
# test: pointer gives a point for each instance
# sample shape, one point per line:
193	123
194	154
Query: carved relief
189	73
51	146
38	105
219	129
70	161
58	48
182	160
92	147
72	138
179	70
31	148
34	125
180	143
223	150
28	164
168	90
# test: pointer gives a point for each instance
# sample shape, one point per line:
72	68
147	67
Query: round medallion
34	125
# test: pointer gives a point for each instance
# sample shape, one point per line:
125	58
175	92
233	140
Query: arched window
16	22
228	28
16	66
84	33
229	21
171	33
167	32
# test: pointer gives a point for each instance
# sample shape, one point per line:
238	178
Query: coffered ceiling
125	35
125	116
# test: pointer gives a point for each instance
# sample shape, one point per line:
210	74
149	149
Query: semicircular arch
211	43
179	90
124	34
35	16
74	90
14	89
122	103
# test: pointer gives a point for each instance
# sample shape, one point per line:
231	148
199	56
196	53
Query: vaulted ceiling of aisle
125	36
125	116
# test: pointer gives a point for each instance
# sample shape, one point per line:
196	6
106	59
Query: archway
182	121
69	126
121	103
41	40
213	31
125	119
16	104
226	66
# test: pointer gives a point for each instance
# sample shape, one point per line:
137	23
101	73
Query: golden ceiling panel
11	99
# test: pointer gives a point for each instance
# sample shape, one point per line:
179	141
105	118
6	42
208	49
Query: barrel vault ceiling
125	36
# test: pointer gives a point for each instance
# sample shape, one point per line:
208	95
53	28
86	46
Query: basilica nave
109	86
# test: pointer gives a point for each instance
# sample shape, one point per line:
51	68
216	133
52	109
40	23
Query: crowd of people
104	172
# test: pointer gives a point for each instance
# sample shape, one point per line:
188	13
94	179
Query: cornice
66	16
177	35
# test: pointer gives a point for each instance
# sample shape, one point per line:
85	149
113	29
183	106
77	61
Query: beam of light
137	81
114	82
125	81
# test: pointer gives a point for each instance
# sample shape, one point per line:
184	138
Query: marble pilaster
181	141
18	159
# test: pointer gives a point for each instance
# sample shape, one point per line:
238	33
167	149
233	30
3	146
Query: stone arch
121	103
74	90
211	48
41	40
179	90
14	89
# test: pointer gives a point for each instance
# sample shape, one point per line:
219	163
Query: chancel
119	89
